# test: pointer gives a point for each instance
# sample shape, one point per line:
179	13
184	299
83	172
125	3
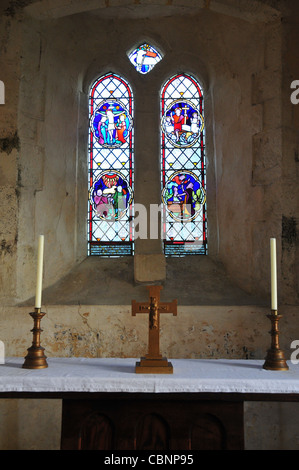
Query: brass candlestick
275	359
36	358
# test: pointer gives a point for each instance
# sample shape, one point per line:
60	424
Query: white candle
39	278
273	274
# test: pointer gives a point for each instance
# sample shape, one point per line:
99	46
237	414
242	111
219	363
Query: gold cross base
153	366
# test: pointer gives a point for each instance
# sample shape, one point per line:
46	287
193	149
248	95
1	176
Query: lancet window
183	170
110	165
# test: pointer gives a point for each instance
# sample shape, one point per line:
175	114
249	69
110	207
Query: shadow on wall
196	281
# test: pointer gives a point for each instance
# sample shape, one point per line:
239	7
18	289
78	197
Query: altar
106	405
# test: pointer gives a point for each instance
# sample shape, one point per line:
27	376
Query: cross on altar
153	362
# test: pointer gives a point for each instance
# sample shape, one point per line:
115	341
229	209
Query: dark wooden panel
152	433
208	432
152	424
96	433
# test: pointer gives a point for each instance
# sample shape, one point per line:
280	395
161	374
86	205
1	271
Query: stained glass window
111	134
183	167
144	58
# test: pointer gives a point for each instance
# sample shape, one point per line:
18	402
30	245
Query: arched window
110	162
183	167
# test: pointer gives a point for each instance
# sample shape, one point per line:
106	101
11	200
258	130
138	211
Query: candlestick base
275	359
36	358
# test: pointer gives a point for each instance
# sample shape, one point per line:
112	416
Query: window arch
110	165
183	171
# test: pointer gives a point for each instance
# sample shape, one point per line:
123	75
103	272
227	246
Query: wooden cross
153	362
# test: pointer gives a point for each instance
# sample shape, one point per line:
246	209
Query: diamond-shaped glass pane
144	58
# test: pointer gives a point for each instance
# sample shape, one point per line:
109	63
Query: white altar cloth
118	375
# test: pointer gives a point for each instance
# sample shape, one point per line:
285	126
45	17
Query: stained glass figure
144	58
182	123
111	123
183	167
110	196
183	196
110	205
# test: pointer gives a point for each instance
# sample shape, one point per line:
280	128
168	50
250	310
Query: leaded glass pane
110	205
144	58
183	167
